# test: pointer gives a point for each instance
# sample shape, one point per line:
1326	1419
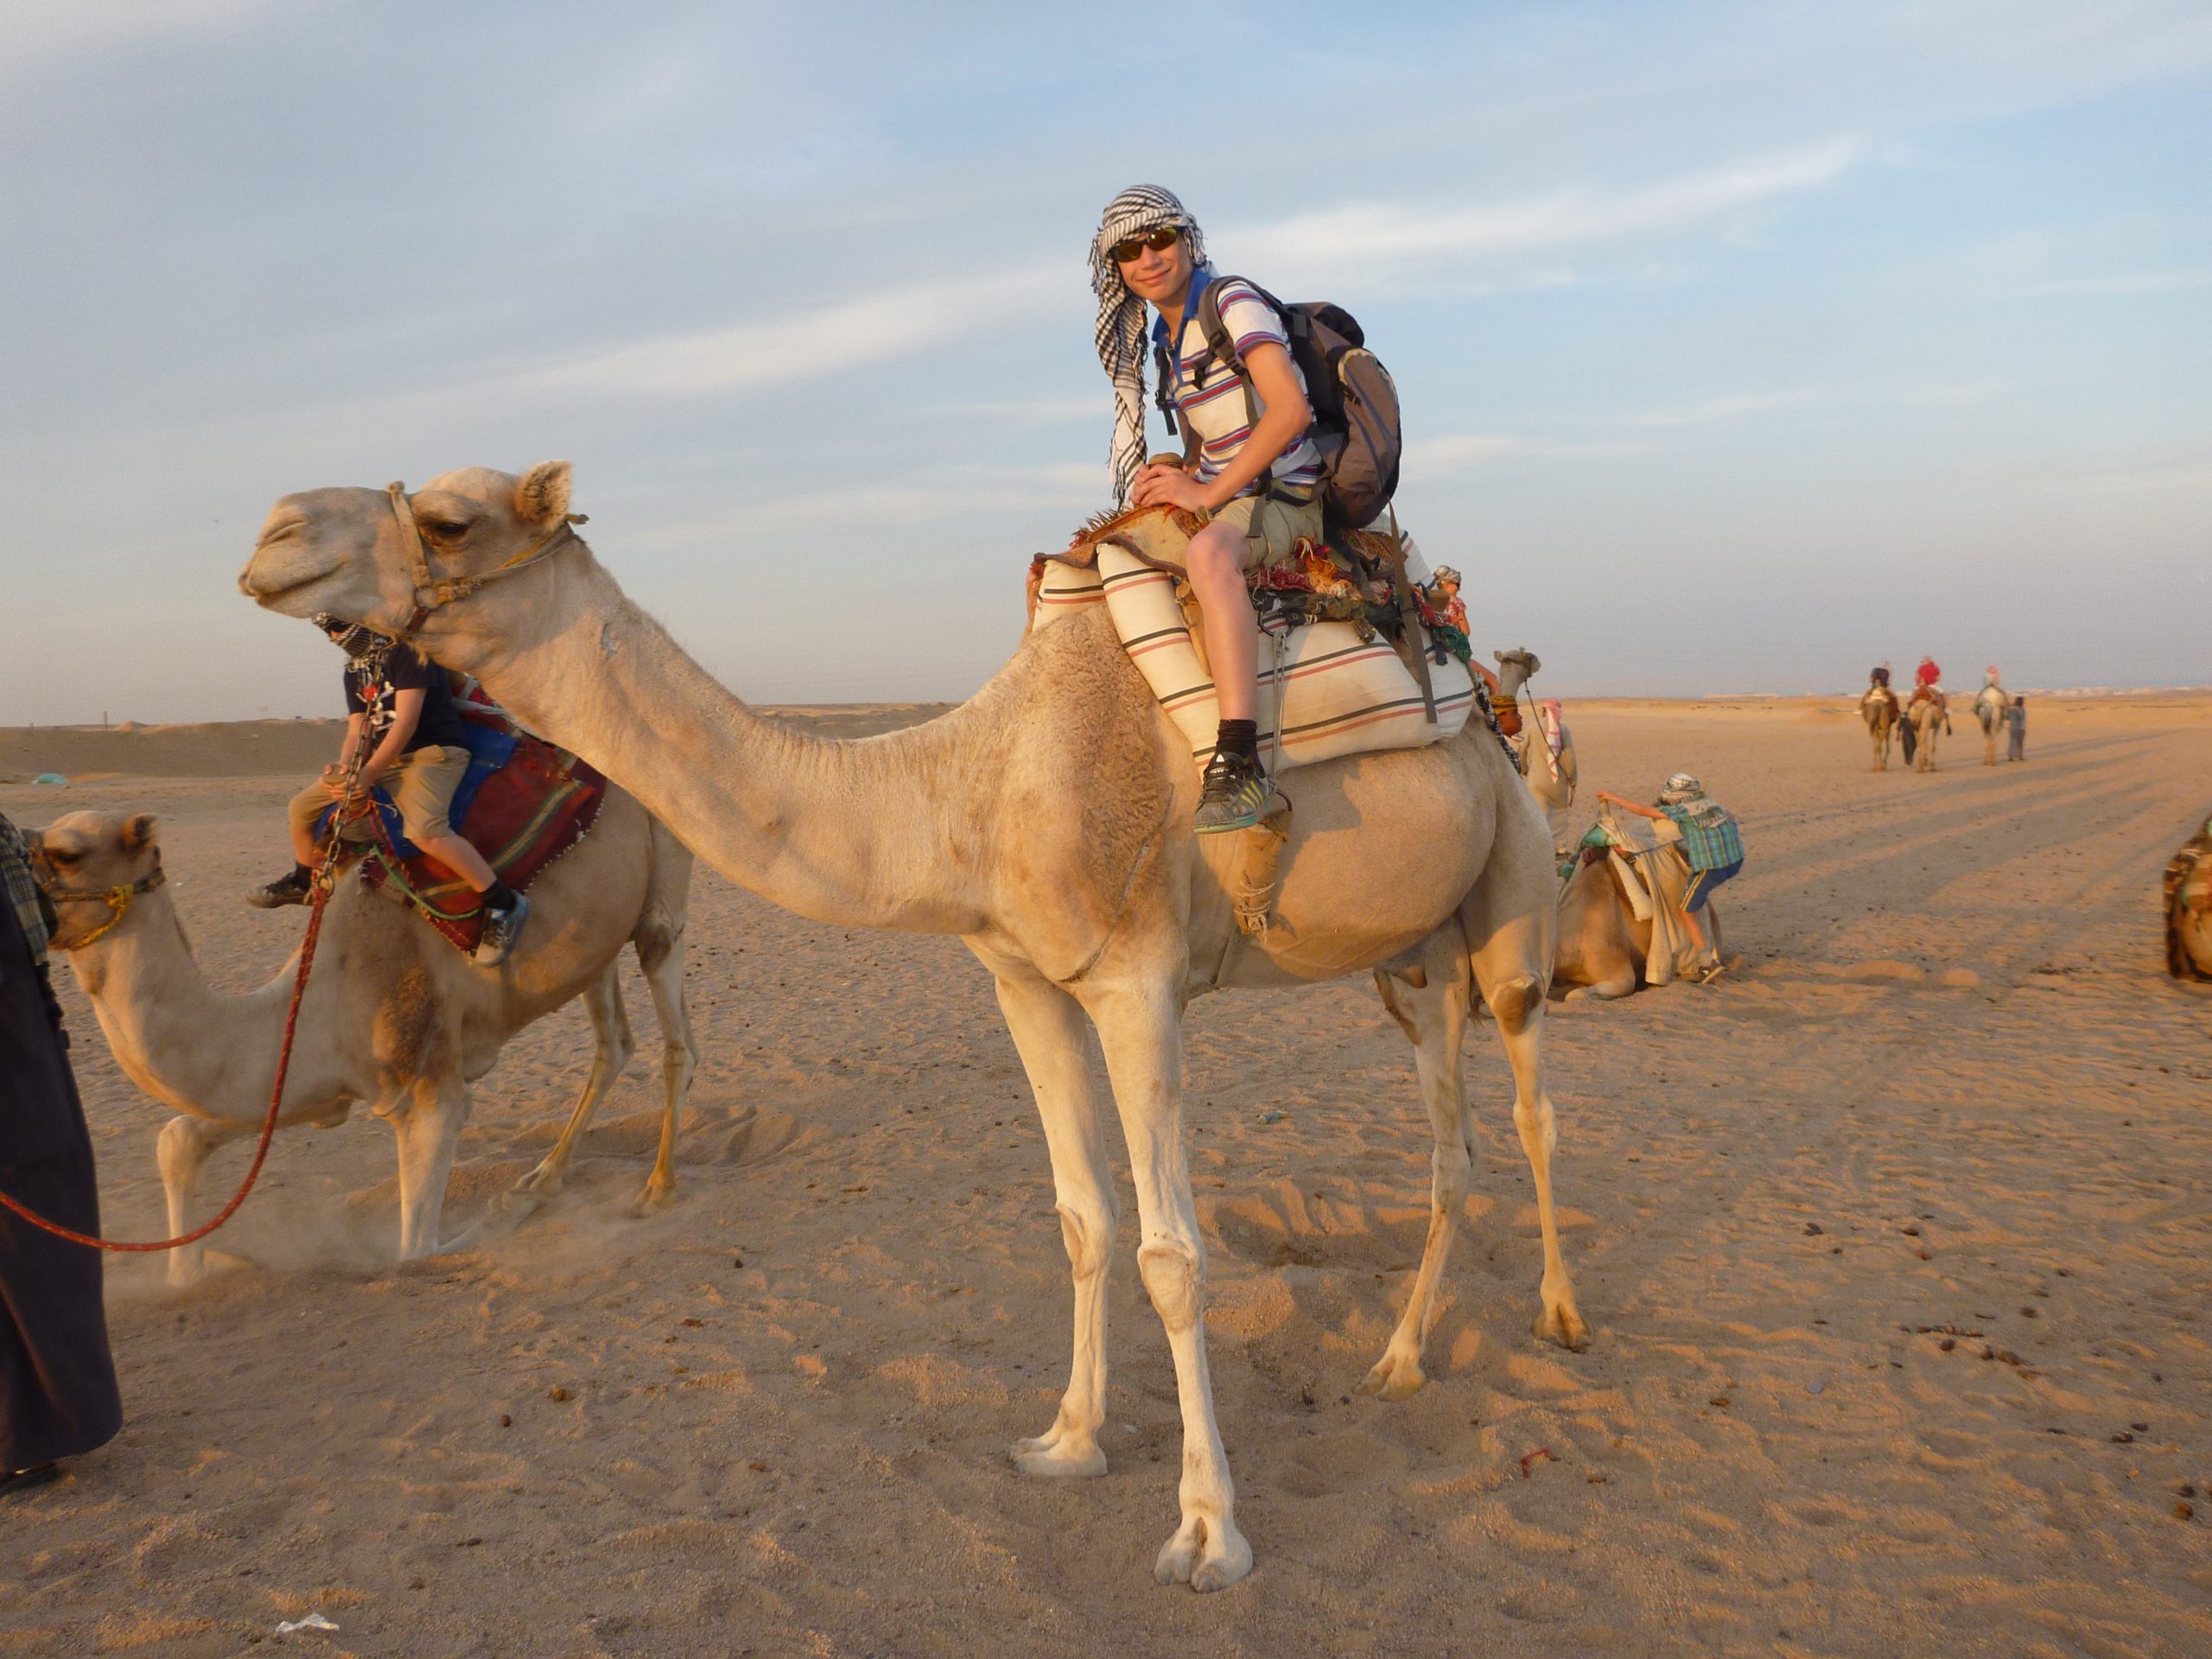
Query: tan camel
2188	908
1046	822
1927	713
1550	778
1878	708
392	1014
1603	948
1989	706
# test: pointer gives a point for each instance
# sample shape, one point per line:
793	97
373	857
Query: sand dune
1893	1242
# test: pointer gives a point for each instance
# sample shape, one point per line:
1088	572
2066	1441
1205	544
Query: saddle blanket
1324	691
521	804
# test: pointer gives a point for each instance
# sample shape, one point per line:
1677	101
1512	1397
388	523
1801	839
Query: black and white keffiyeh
1121	331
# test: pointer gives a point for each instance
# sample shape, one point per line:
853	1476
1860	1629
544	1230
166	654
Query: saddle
1357	642
521	804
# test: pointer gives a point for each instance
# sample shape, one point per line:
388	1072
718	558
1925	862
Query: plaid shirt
21	891
1710	838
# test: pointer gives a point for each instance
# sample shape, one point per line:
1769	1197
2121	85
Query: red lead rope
322	884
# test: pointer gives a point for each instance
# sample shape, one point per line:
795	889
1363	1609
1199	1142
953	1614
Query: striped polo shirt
1216	410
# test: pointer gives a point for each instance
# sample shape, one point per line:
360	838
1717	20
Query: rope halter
432	590
118	899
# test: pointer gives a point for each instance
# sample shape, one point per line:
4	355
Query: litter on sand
312	1622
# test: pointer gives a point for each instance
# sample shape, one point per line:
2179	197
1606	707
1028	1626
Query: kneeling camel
1047	823
392	1014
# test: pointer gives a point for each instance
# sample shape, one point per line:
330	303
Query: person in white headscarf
1248	459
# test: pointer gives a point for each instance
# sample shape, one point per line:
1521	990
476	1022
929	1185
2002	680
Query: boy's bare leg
1697	931
1216	563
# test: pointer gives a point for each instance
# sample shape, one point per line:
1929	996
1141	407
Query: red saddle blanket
524	815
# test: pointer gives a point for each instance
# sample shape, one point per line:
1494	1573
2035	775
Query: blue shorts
1702	882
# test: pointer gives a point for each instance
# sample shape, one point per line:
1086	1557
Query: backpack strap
1220	349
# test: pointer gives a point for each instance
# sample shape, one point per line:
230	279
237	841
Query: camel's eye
57	856
446	528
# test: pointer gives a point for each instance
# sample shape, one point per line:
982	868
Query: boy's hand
1162	483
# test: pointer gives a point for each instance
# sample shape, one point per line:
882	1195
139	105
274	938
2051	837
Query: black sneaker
501	929
1236	795
284	890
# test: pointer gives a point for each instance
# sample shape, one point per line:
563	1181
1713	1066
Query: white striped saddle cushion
1337	693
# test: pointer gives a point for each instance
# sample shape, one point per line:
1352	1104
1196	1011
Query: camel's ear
542	496
138	832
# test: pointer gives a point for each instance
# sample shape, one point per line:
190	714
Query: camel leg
182	1153
612	1047
1140	1027
1049	1031
1511	977
660	954
1434	1016
429	1126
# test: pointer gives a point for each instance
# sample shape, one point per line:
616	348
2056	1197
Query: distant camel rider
1877	681
1259	479
1928	676
399	707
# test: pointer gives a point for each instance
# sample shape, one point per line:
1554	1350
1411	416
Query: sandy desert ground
1895	1244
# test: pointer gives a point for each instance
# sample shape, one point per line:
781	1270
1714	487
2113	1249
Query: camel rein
432	590
118	899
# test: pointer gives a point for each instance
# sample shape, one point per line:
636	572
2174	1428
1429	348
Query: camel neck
848	832
175	1035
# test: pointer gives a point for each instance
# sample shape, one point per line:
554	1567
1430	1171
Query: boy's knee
1217	553
304	808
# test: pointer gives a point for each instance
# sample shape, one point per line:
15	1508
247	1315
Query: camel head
1515	667
348	552
93	853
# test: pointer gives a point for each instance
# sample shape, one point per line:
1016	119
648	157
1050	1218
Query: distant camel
392	1014
1929	711
1604	950
1878	708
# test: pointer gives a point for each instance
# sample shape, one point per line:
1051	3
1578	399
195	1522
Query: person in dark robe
58	1397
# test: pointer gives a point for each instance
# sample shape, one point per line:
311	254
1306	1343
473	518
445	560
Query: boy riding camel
400	709
1257	480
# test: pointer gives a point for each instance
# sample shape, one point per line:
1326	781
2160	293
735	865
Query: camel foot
1396	1376
1563	1325
657	1195
1205	1555
1060	1453
545	1180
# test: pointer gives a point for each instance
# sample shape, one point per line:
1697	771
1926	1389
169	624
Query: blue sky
1741	344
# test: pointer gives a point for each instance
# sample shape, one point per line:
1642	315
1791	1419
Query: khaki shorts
421	786
1271	527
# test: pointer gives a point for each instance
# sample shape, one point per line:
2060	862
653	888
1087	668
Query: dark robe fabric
57	1380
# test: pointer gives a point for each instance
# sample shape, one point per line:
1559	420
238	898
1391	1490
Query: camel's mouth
280	590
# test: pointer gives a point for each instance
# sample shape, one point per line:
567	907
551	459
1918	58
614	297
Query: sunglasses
1158	240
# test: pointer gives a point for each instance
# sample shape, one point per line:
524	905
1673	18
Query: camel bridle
432	590
118	899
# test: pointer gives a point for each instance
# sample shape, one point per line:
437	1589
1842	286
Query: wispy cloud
1431	458
1378	235
989	491
844	335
